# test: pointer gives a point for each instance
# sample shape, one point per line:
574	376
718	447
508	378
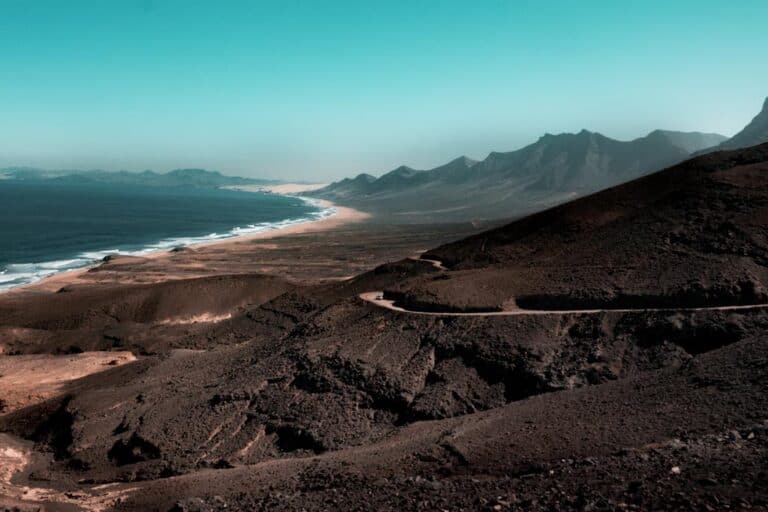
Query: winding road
377	298
435	263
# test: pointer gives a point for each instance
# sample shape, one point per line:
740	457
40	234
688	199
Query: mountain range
554	169
176	178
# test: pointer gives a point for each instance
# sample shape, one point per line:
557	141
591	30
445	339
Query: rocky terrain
300	395
694	234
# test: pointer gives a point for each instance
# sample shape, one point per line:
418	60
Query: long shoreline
340	216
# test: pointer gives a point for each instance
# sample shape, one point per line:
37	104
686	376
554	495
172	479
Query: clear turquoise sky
321	89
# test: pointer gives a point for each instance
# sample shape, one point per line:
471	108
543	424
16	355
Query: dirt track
377	299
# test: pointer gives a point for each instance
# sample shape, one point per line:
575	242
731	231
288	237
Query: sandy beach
283	188
341	216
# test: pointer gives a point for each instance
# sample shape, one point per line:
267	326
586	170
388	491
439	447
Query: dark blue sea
48	228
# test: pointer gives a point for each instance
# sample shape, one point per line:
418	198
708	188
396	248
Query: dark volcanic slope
329	402
692	235
138	317
552	170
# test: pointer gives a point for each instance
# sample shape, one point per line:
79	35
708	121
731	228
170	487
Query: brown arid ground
29	380
57	332
247	254
305	372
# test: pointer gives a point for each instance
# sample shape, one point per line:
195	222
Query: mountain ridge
193	177
554	168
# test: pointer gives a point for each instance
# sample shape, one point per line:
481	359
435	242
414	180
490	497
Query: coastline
341	215
330	216
284	189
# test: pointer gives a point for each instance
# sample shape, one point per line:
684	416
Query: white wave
98	255
62	264
20	274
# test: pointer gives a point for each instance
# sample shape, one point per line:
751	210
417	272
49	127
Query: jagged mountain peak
463	160
582	134
403	169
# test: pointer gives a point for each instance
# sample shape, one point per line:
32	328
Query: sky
320	89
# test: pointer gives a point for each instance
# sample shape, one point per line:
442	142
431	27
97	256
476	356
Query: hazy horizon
303	91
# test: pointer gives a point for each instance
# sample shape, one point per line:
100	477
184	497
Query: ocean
49	228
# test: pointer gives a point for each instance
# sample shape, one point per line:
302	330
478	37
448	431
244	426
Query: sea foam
19	274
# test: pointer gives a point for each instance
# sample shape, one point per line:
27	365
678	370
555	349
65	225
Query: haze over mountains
175	178
553	169
756	132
